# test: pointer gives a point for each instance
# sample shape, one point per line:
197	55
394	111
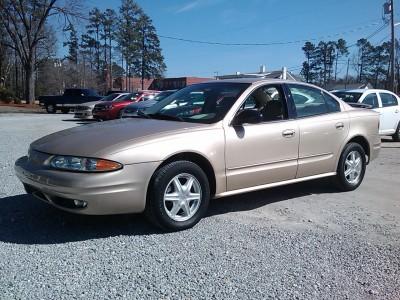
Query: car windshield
110	97
163	95
131	97
349	97
200	103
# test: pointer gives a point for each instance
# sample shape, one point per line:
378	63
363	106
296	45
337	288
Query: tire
348	161
51	109
65	110
175	212
119	115
396	135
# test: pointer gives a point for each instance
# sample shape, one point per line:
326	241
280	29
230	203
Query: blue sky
252	21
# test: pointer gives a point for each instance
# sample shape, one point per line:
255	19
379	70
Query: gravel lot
303	241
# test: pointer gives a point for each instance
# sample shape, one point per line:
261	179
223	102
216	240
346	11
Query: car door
323	128
264	152
371	98
390	115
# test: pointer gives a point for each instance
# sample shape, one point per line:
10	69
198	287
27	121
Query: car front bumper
83	114
103	115
118	192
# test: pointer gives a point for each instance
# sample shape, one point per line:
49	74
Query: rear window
72	92
349	97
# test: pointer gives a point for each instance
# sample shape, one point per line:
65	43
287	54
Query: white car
84	110
382	101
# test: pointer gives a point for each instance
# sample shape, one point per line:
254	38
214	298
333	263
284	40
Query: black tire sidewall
344	184
396	135
51	111
161	179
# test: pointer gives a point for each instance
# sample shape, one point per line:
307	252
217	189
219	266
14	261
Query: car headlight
84	164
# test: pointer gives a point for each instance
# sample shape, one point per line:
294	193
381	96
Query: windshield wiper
166	117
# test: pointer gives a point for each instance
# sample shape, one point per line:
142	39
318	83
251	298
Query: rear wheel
179	195
351	168
51	109
65	110
396	135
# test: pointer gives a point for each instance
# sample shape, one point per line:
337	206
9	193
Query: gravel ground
303	241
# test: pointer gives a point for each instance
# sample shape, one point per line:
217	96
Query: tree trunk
143	55
29	82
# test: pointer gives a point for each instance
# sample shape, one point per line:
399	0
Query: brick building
160	84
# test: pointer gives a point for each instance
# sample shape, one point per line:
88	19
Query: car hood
143	104
103	139
91	103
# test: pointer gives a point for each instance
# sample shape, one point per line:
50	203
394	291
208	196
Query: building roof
349	86
270	75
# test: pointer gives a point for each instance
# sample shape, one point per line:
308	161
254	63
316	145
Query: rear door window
308	101
332	104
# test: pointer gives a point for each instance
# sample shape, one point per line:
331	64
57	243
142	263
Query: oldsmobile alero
208	140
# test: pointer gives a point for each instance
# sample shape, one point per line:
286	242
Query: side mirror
249	116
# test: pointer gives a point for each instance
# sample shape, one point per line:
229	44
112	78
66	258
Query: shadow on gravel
253	200
80	121
26	220
387	140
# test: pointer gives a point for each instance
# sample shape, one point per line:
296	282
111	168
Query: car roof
363	91
255	80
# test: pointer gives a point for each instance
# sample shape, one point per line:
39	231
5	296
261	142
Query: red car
109	110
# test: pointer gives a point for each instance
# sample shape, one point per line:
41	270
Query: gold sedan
205	141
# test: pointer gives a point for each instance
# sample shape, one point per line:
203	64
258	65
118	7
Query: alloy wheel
353	167
182	197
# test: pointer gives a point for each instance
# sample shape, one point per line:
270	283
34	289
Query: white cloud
188	6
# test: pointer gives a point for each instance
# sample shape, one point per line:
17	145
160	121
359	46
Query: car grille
99	108
81	107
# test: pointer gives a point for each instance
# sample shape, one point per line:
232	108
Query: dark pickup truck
70	99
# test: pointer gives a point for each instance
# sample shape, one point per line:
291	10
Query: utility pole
393	52
347	74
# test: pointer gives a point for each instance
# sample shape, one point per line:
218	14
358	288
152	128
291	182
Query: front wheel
351	168
51	109
396	135
178	197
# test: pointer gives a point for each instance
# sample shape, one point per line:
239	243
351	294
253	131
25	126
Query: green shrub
6	95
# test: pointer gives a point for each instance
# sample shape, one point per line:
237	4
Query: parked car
132	109
84	110
109	110
249	134
386	103
70	99
116	91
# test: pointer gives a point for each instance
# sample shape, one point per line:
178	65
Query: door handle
288	133
339	125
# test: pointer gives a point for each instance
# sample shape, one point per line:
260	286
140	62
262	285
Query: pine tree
126	34
150	62
109	18
94	28
309	64
73	44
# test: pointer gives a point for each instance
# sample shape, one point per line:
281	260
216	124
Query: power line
371	35
272	43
